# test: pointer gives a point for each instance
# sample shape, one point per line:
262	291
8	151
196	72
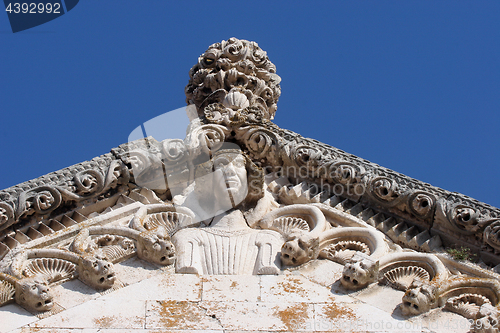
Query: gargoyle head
420	297
96	273
33	294
491	235
487	320
299	250
155	246
359	273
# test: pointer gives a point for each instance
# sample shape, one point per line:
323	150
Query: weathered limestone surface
242	226
225	303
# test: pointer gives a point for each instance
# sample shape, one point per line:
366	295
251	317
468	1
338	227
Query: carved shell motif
401	277
113	253
343	251
54	269
235	100
466	305
7	291
112	248
288	225
169	220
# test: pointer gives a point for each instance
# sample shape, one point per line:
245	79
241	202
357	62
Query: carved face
97	273
466	218
298	251
420	297
155	246
33	294
359	274
492	235
230	180
487	319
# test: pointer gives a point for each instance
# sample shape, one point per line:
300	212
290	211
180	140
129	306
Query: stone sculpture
95	272
239	195
151	245
32	293
241	249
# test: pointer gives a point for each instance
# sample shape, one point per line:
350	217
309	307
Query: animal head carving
299	250
360	272
96	273
33	294
155	246
420	297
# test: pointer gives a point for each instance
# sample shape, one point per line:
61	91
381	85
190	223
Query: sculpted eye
239	163
208	61
33	287
95	264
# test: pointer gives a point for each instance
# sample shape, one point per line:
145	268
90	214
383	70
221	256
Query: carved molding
307	201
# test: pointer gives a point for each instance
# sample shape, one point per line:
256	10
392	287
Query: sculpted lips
232	183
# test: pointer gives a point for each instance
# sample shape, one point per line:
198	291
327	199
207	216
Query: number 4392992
33	8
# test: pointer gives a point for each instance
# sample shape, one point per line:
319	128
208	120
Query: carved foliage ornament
44	199
236	73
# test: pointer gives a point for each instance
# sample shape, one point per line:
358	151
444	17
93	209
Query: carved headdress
236	73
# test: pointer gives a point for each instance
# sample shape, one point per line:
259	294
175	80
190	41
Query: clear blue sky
411	85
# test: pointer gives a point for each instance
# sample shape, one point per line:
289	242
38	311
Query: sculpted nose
229	170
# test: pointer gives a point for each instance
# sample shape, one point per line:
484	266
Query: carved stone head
228	180
299	250
33	294
96	273
491	235
237	74
487	320
420	297
155	246
359	273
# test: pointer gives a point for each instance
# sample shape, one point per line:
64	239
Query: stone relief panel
241	196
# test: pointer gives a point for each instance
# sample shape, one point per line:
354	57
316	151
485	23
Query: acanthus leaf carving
491	235
6	215
261	144
386	190
421	203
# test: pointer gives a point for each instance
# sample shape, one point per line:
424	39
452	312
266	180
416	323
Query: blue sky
411	85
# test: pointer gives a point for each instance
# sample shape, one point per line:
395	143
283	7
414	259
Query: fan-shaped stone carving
343	251
114	253
7	291
113	248
290	224
467	305
401	277
54	269
169	220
